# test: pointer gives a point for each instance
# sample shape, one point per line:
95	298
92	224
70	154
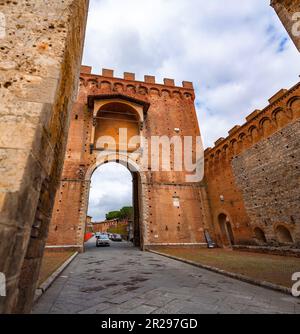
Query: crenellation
129	76
277	96
234	129
220	140
169	82
149	79
253	115
86	69
187	84
107	73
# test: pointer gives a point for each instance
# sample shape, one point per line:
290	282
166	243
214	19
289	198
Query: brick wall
165	109
106	225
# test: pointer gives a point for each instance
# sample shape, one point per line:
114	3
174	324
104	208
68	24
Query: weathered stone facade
269	175
40	54
144	109
289	14
252	176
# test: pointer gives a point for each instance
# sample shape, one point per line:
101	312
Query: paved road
122	279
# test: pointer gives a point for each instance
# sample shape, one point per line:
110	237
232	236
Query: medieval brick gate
168	210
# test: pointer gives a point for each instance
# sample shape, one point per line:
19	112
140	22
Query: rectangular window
176	202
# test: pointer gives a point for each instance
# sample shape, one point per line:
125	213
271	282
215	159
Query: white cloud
237	54
111	189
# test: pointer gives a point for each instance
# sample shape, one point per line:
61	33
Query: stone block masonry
40	54
269	176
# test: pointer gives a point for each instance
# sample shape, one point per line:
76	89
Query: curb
49	281
271	286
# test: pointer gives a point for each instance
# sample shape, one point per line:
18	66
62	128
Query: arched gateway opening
104	176
116	138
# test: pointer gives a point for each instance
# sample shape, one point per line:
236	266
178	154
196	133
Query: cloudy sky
111	189
237	55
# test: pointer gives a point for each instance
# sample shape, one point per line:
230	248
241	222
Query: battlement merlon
86	69
148	79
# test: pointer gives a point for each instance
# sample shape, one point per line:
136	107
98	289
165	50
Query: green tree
113	215
126	212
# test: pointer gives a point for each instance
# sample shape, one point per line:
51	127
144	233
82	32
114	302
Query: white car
102	241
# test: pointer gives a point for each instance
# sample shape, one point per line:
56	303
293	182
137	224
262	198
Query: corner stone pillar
289	14
40	56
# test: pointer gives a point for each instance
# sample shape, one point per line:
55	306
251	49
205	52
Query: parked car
102	241
98	234
116	237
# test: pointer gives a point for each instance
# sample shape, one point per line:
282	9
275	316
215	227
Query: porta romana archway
113	120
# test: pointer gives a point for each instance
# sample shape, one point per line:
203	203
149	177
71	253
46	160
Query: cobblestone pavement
121	279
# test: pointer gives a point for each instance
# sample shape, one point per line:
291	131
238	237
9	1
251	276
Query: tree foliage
125	213
113	215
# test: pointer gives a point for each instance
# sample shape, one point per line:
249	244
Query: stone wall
269	176
252	175
289	14
41	48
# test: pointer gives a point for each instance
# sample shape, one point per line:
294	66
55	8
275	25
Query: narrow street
121	279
